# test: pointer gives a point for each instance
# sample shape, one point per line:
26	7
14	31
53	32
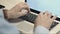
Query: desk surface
24	26
10	3
27	27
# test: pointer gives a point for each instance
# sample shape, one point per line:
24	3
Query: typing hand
44	19
20	9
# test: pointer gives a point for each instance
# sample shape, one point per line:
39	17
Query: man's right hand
44	19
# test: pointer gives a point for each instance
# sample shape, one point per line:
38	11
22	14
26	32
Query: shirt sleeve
41	30
1	13
6	27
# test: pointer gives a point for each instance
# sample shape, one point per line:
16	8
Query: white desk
24	26
27	27
10	3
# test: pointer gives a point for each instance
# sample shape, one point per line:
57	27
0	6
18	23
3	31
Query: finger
54	17
24	11
22	5
49	15
26	7
46	13
41	13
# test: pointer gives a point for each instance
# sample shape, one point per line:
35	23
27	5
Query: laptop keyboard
31	18
53	25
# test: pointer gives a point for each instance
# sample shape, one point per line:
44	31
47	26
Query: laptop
42	5
34	12
37	6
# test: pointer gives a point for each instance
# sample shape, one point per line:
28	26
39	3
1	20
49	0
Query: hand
20	9
45	20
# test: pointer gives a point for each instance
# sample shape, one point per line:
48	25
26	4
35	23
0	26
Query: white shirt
41	30
7	28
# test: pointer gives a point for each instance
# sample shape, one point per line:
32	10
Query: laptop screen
52	6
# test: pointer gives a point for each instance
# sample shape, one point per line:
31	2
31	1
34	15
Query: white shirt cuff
1	13
41	30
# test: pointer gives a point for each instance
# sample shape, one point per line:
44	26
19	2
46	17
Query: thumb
23	12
